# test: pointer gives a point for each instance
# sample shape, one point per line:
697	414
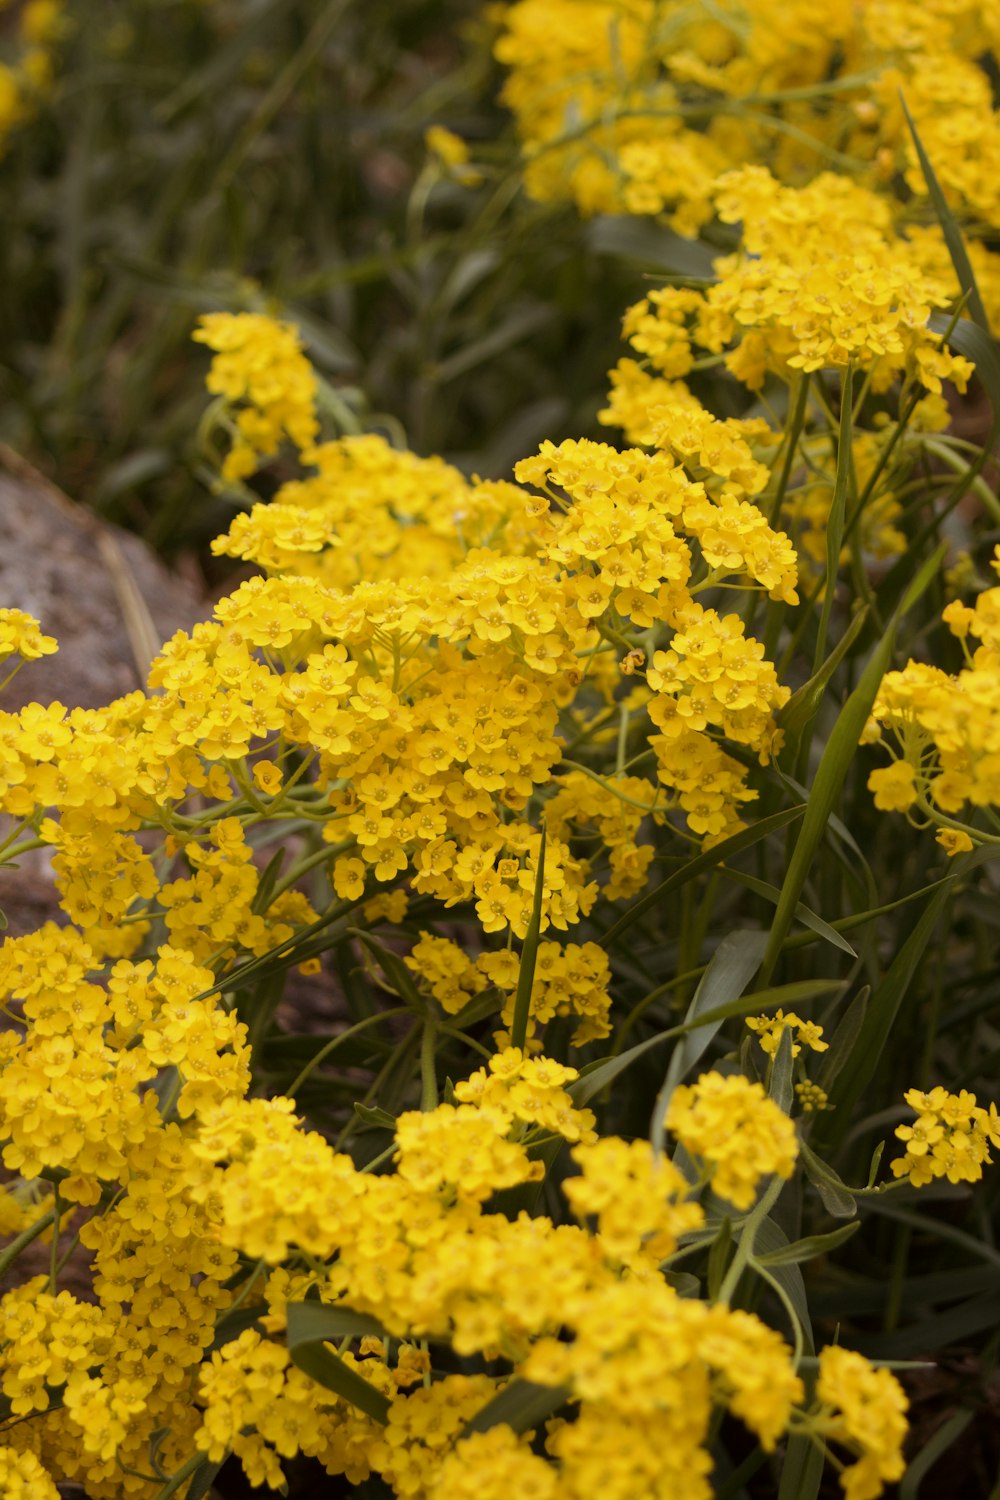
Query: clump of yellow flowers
394	694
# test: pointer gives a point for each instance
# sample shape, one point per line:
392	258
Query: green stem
334	1043
191	1467
744	1249
428	1067
15	1247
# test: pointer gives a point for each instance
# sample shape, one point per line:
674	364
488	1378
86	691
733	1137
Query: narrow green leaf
732	966
311	1325
875	1163
633	238
400	980
769	1239
803	913
718	1258
831	773
203	1479
781	1089
843	1040
880	1016
838	511
683	1283
266	884
521	1405
529	955
802	1470
599	1074
838	1200
707	860
802	706
949	228
948	1433
373	1116
232	1324
809	1248
971	340
975	1316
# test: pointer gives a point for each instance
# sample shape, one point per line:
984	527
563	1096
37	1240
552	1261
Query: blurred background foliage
270	155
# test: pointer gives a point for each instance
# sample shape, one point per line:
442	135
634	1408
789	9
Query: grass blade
529	956
707	860
838	512
949	228
835	762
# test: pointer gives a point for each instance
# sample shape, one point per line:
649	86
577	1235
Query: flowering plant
452	741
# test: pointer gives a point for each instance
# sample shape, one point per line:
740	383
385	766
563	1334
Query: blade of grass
707	860
833	768
529	956
949	228
838	512
603	1071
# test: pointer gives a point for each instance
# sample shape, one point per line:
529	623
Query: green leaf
809	1248
400	980
718	1258
311	1325
948	1433
769	1240
707	860
371	1115
880	1016
802	706
975	1316
949	228
521	1405
203	1480
838	511
969	339
802	1470
781	1089
633	238
838	1200
730	970
803	913
684	1284
529	955
232	1324
266	884
843	1040
599	1074
831	773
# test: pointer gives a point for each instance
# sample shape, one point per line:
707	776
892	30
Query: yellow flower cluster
770	1029
946	731
738	1133
397	697
636	106
261	369
865	1410
950	1138
21	635
569	979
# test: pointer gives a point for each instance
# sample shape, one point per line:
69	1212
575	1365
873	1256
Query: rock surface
100	591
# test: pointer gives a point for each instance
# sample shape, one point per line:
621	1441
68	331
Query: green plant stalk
745	1243
25	1238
